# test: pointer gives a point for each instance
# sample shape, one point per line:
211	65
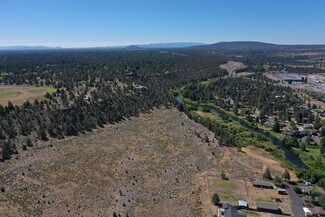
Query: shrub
322	201
297	190
286	175
267	173
215	199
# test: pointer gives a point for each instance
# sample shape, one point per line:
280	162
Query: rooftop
262	183
268	206
231	212
317	211
242	203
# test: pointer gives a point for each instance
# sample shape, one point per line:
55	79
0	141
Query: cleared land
153	165
232	67
146	166
316	82
18	94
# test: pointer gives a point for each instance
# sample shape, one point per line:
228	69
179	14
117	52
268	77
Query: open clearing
232	67
146	166
18	94
153	165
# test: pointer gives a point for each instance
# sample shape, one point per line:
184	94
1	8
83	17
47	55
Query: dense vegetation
99	87
93	88
256	100
243	93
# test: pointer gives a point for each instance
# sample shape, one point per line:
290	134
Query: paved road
296	203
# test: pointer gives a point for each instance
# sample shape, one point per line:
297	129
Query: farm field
18	94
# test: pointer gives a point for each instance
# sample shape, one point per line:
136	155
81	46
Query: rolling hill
253	45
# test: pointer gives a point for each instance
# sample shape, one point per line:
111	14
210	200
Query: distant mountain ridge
253	45
171	45
129	47
23	47
221	46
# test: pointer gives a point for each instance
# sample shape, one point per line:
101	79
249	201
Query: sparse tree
276	127
7	151
215	199
302	146
322	149
223	175
322	201
29	142
277	181
297	190
267	173
286	175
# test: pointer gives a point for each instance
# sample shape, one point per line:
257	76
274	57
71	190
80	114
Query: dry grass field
18	94
153	165
147	166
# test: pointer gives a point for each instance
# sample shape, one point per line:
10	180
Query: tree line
94	88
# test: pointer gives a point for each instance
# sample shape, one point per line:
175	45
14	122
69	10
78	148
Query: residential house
262	184
268	207
229	211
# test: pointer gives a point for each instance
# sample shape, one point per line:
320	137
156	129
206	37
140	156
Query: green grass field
229	198
250	213
312	158
19	94
227	184
8	94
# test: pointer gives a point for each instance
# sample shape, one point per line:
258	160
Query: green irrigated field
19	94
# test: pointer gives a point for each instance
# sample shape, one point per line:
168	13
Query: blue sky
83	23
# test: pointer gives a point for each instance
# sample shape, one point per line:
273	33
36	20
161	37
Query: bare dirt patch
232	67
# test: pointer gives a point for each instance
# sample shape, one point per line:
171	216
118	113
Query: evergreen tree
7	151
302	146
215	199
286	175
29	142
276	127
322	201
277	181
267	173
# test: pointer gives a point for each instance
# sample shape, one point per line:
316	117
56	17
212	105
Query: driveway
296	203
